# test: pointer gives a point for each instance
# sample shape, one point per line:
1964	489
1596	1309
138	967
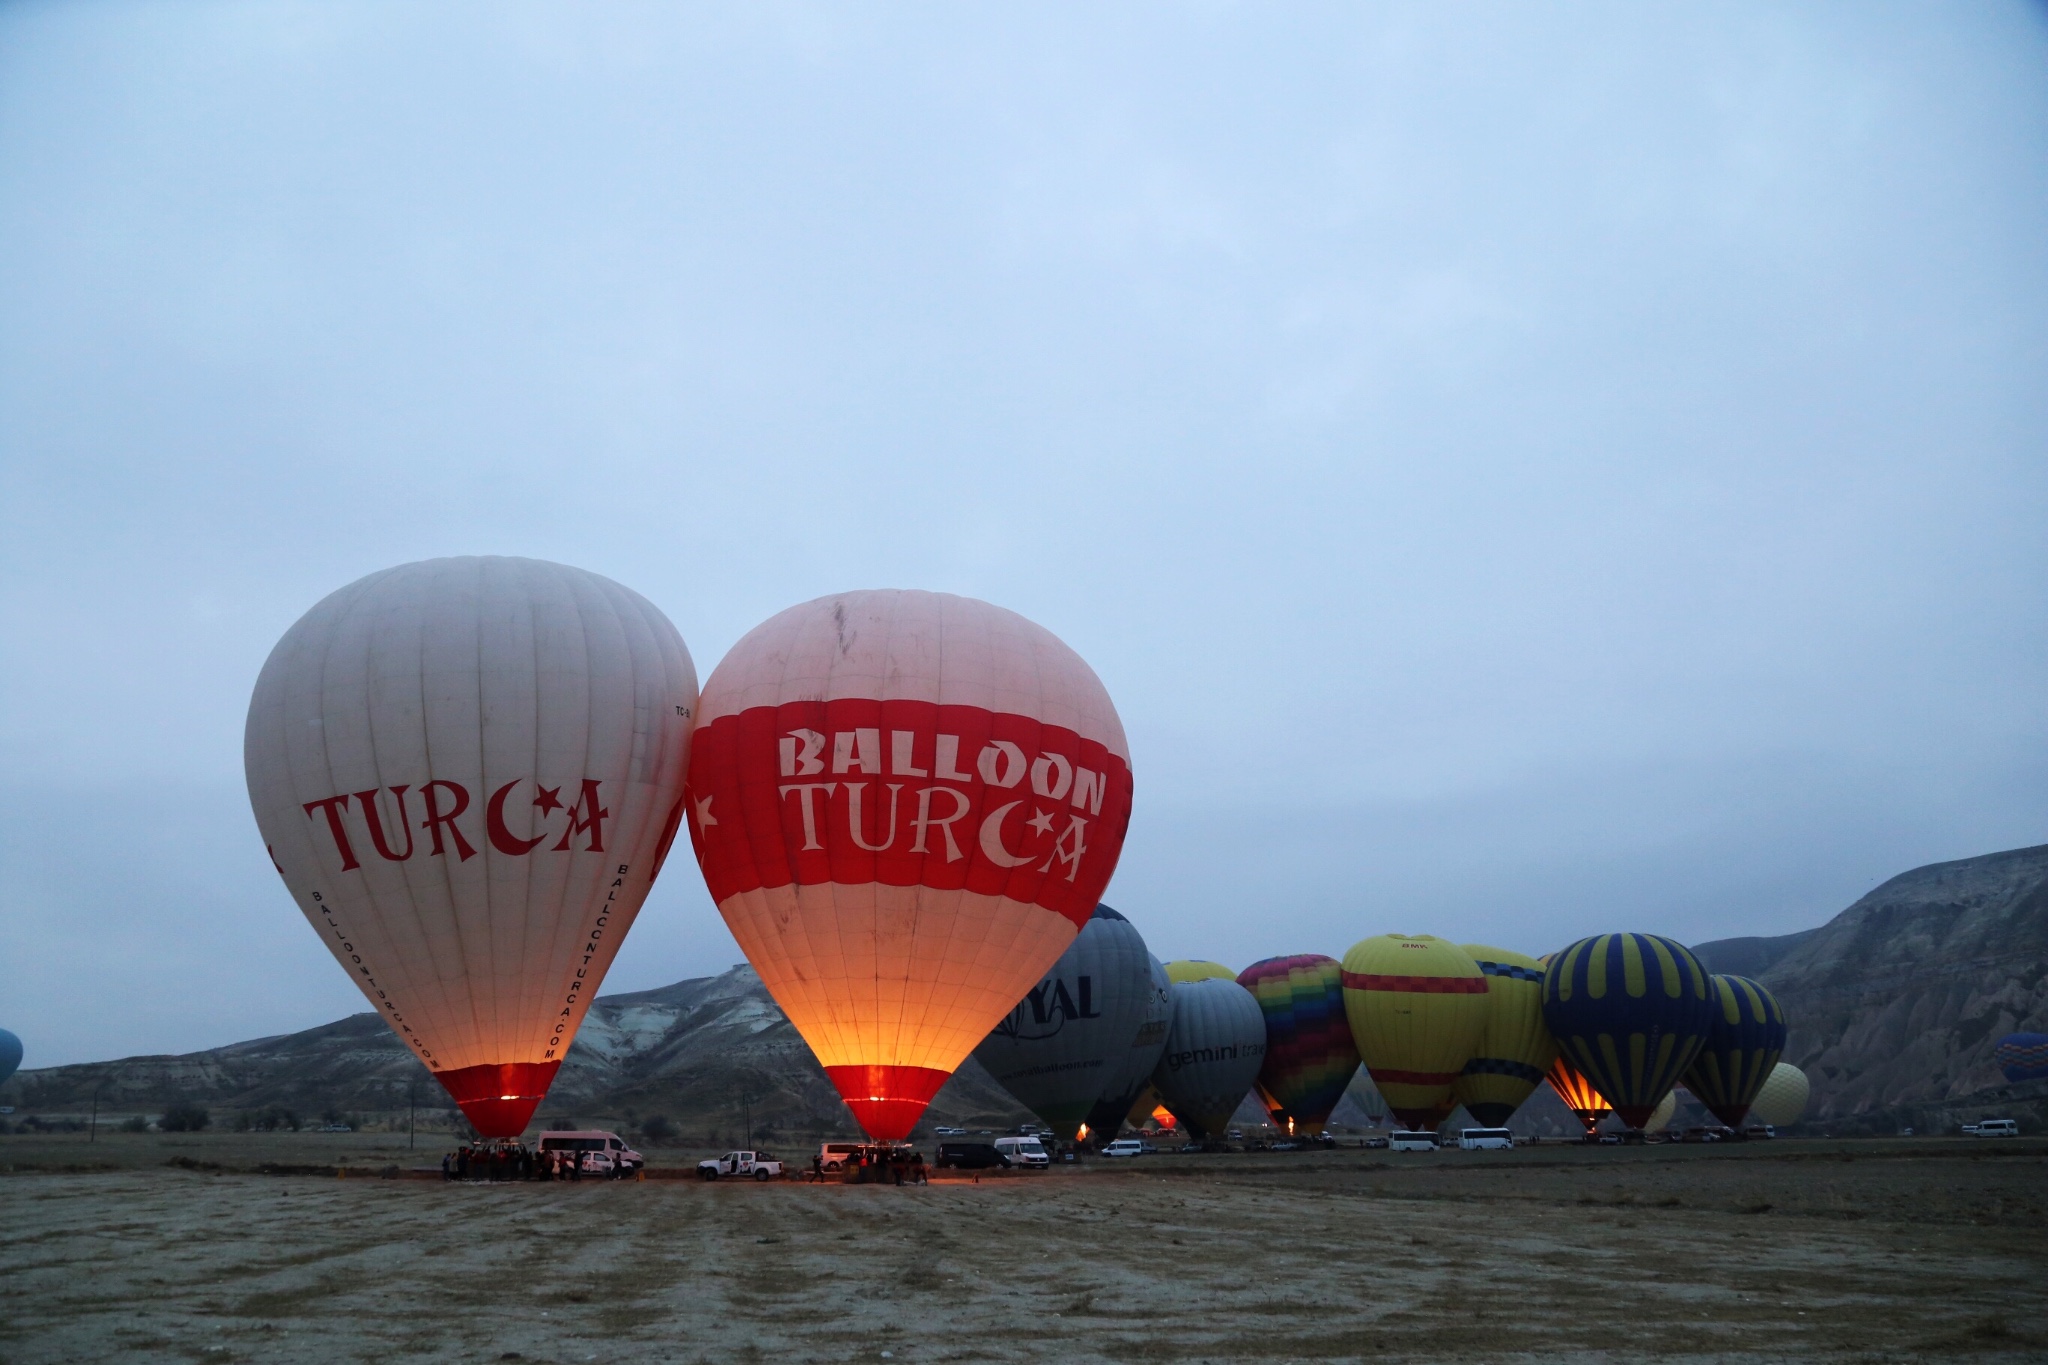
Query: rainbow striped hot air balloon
1515	1049
1631	1011
2022	1056
1744	1043
1417	1006
1310	1055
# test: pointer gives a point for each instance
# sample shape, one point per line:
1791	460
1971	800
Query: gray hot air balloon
10	1054
1134	1076
1212	1053
1068	1039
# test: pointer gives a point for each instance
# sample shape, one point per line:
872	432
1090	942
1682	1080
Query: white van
597	1152
1408	1140
1124	1147
1486	1140
833	1156
1998	1128
1023	1152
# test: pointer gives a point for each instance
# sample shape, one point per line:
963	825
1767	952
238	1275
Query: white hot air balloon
1212	1055
1782	1101
468	772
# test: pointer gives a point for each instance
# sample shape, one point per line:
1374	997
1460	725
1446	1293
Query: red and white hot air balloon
906	805
468	772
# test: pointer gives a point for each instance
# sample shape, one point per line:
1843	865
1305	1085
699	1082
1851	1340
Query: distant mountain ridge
1895	1005
712	1054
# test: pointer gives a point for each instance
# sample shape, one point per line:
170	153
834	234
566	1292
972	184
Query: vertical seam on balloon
601	962
556	974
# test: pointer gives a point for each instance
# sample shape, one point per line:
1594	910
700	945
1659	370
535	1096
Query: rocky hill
1896	1002
713	1056
1895	1005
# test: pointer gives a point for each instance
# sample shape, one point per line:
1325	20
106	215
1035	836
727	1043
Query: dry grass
1766	1253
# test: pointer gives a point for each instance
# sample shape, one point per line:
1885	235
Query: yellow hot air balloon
1417	1006
1515	1049
1194	969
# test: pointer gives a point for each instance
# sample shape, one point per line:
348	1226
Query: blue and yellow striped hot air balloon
1744	1043
1630	1011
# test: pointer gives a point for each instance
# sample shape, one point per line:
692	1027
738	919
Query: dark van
968	1156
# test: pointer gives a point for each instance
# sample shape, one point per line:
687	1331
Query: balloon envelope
10	1055
1195	969
1212	1053
1071	1035
1744	1042
1417	1006
905	805
1132	1077
1514	1049
468	772
1783	1098
1630	1011
1310	1056
2022	1056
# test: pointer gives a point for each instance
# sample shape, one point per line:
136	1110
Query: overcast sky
1520	472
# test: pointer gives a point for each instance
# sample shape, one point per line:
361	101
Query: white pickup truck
759	1165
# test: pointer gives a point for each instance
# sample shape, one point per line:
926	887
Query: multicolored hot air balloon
1631	1011
1578	1094
10	1055
1783	1099
1071	1034
1131	1078
1310	1055
1417	1006
2021	1056
1195	969
468	772
1515	1049
1745	1040
905	805
1212	1053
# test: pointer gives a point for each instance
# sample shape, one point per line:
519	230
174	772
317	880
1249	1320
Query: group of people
510	1161
875	1166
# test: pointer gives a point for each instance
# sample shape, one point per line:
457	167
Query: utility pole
92	1129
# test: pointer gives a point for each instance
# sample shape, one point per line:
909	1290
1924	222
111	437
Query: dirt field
1835	1251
